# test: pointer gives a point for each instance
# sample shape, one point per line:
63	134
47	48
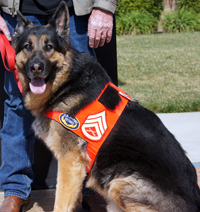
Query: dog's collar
93	123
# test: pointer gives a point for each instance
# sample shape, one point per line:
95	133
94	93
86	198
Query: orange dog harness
93	123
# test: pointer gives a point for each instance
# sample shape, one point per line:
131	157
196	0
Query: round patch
69	122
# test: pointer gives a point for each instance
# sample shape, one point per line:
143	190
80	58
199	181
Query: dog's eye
27	46
49	47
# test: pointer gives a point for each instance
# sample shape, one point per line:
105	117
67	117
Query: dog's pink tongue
37	85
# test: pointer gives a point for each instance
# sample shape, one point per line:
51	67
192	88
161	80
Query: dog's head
41	50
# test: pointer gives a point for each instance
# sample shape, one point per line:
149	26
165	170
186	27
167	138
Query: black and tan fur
140	167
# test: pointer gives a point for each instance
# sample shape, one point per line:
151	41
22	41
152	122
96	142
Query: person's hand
100	26
4	28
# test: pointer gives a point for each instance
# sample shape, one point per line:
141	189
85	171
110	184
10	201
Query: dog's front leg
71	173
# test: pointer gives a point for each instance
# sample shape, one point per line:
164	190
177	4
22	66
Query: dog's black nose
37	67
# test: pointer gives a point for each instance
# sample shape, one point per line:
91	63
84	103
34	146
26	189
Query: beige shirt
81	7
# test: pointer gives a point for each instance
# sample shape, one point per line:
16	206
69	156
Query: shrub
190	5
181	20
153	7
136	22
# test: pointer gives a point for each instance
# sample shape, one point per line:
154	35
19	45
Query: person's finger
7	34
109	35
91	35
4	28
103	38
97	39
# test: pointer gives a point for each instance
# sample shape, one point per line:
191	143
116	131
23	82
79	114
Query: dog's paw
36	208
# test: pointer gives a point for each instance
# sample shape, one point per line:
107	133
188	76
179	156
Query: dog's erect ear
60	21
22	22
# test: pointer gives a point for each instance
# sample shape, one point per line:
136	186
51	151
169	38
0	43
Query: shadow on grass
121	83
178	106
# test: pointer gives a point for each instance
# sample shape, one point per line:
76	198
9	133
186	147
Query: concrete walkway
186	128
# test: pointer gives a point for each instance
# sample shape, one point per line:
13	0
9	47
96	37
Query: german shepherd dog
140	166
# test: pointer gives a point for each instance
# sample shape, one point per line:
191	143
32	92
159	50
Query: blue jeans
18	139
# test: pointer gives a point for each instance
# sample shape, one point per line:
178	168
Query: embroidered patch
95	126
69	122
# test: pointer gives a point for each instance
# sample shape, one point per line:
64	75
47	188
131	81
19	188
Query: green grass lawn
162	70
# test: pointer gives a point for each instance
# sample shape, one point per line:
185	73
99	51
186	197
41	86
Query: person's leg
78	26
17	138
16	149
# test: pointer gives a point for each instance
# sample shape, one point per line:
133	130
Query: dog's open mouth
37	85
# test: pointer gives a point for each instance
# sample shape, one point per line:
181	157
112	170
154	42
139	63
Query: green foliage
136	22
153	7
190	5
181	20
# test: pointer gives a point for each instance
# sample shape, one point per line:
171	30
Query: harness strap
93	123
8	54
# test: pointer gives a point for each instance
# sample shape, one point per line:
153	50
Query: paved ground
186	128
